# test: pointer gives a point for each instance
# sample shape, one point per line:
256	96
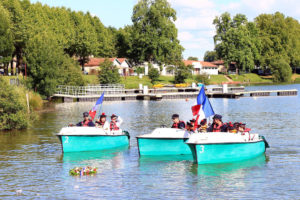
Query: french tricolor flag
93	112
203	108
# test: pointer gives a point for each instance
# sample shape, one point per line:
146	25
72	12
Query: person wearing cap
86	121
177	123
102	123
217	125
115	122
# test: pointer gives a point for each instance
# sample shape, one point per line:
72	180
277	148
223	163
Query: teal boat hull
76	143
226	152
163	146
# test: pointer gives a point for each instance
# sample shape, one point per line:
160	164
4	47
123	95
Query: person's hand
71	125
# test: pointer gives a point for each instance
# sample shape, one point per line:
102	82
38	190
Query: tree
153	75
182	72
193	58
281	70
85	41
48	66
154	35
210	56
6	38
108	73
236	42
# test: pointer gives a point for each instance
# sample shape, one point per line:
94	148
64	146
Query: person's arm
79	124
106	126
210	129
119	121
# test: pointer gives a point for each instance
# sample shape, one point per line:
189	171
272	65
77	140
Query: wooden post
27	99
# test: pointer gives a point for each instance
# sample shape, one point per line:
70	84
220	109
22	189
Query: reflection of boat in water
225	147
218	169
92	155
75	139
165	158
164	141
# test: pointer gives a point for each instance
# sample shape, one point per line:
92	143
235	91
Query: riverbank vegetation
271	41
15	111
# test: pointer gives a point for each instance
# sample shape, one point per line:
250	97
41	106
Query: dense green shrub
281	70
153	75
108	73
202	78
13	108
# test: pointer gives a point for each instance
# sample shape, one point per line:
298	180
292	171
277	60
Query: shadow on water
228	168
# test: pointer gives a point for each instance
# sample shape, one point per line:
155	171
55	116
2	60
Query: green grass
250	78
217	79
132	82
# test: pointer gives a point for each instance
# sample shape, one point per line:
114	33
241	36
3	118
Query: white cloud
195	17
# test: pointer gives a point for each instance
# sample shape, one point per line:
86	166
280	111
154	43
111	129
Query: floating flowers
81	171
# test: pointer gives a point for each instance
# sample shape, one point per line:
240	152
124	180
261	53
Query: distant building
164	70
123	65
202	67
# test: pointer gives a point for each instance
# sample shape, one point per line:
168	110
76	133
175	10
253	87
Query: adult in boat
86	121
115	122
217	125
177	123
102	123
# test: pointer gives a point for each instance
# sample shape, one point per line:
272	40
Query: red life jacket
217	128
113	126
85	123
175	125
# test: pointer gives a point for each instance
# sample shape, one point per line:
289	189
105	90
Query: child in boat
86	121
102	123
217	125
177	123
203	126
190	127
115	122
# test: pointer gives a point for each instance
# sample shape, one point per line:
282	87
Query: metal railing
91	90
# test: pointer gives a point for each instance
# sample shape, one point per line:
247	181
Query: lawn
250	78
217	79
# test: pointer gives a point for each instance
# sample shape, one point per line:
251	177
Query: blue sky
194	17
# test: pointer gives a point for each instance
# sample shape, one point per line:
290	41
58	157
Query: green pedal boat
164	141
225	147
74	139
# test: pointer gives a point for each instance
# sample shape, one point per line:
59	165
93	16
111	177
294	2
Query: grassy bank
251	78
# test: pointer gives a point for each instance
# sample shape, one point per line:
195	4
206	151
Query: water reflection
234	168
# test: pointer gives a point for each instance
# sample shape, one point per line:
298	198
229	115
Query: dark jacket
180	125
213	128
89	123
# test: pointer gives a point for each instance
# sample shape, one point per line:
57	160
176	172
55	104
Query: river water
32	165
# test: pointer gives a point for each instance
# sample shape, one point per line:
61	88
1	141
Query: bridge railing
90	90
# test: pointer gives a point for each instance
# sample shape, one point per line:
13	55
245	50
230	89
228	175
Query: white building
124	67
202	67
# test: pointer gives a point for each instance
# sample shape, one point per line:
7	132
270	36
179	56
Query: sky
194	17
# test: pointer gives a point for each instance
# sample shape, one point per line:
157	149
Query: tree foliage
154	35
108	73
236	40
193	58
13	109
153	74
182	72
210	56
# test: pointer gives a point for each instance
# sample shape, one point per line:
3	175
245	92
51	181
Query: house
123	65
221	67
165	70
202	67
